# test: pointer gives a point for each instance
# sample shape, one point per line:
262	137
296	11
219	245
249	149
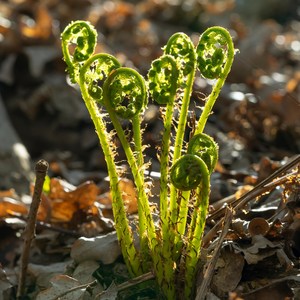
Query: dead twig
86	286
293	278
41	169
263	187
130	283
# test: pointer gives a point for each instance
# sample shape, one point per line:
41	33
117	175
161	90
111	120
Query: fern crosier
83	35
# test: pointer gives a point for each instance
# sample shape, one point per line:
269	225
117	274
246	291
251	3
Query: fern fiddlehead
125	92
163	83
215	53
94	73
182	49
84	37
203	146
125	96
214	59
206	148
191	173
196	229
185	175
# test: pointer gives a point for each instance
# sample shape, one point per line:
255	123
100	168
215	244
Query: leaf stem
122	226
196	230
147	231
174	209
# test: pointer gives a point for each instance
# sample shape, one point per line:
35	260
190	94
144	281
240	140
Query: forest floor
256	122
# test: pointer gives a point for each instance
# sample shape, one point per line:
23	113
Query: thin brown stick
130	283
257	190
294	278
268	187
41	169
207	238
85	286
202	289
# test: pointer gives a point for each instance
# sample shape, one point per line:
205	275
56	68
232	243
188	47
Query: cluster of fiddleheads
122	93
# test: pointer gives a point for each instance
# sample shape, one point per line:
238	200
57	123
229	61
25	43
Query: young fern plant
186	173
122	95
170	249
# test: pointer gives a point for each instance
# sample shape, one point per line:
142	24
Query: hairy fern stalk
173	246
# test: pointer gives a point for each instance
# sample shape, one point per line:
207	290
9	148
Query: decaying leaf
262	248
8	193
5	285
61	288
110	294
84	195
102	248
128	194
10	207
43	273
65	200
43	25
84	274
228	272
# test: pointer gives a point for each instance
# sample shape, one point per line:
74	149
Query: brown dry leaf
243	190
292	84
45	208
43	25
8	193
218	7
228	272
61	284
62	211
84	195
58	188
104	248
65	202
43	275
117	14
10	206
128	193
260	249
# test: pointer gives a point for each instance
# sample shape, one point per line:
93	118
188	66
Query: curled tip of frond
95	71
187	172
84	36
162	79
206	148
125	92
215	50
182	49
